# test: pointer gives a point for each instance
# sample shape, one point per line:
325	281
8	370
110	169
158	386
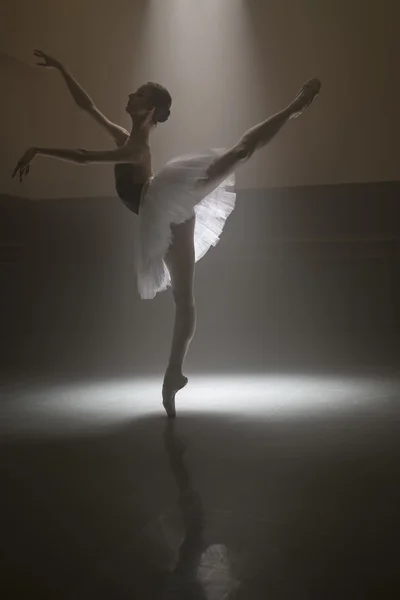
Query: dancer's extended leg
259	136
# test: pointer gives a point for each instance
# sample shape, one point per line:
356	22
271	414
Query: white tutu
172	197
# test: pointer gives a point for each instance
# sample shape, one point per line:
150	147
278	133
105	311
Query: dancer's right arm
83	100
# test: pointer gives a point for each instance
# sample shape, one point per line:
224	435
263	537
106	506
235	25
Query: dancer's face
140	102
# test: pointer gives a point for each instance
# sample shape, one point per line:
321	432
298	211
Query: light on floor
98	404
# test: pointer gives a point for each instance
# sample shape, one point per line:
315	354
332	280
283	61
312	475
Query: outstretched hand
23	165
48	61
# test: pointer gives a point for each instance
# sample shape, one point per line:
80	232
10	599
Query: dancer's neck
141	129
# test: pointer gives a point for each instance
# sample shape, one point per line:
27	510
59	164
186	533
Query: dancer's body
182	209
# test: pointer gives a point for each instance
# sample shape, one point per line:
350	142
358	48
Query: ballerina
182	209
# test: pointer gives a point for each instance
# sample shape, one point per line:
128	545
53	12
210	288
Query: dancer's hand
48	61
23	165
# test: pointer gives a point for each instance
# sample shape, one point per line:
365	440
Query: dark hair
162	101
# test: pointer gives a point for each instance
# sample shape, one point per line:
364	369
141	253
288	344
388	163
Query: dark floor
265	487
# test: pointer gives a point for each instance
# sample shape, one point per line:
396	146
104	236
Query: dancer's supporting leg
180	261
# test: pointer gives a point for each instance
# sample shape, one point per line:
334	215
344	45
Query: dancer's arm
83	100
79	156
82	156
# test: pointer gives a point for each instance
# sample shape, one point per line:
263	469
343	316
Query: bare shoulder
137	150
139	154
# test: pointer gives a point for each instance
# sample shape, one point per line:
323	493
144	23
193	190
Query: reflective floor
264	487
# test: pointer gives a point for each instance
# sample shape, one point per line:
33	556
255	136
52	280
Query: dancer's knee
184	300
245	148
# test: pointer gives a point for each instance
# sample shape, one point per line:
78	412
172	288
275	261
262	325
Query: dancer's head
148	97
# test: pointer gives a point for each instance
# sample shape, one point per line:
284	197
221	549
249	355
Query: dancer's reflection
202	572
183	581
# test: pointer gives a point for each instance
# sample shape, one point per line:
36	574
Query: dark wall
302	275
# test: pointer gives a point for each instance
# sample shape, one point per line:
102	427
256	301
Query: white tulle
173	196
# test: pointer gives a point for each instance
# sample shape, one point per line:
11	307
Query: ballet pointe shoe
173	382
307	94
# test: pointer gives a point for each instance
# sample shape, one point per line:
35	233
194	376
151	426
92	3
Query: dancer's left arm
80	156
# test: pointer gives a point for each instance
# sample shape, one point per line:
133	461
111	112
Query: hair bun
163	115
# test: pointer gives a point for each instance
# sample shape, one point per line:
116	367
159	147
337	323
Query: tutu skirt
173	196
